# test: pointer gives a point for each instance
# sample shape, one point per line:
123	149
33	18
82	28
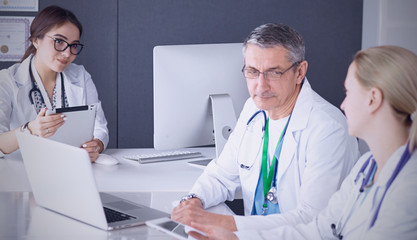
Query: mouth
265	95
62	61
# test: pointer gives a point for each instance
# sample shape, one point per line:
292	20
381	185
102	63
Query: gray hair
275	34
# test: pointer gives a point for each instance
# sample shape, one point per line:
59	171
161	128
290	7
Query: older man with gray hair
290	149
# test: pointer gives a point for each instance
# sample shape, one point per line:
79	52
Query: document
19	5
14	34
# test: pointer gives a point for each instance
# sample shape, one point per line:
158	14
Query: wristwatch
24	128
191	196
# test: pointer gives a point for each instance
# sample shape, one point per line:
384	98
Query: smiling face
355	103
47	59
274	96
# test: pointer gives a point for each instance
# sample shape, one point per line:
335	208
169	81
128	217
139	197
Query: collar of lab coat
72	82
73	86
389	167
302	107
21	75
299	120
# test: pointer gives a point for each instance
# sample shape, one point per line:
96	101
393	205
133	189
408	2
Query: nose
262	81
67	52
342	105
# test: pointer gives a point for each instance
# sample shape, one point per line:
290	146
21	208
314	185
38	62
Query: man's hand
192	211
212	232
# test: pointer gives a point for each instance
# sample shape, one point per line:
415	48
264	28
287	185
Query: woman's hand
94	148
46	126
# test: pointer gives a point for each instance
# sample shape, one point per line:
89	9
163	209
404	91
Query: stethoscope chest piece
272	195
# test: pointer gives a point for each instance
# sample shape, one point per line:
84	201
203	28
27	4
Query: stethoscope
337	232
253	117
271	195
249	128
35	89
250	122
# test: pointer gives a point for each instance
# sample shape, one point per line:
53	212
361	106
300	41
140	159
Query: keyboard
163	156
115	216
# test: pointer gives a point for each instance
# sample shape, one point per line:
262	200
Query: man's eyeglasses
61	45
251	73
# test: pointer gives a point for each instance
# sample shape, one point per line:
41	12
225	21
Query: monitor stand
224	119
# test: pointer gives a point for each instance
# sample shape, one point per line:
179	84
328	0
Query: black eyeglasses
274	75
61	45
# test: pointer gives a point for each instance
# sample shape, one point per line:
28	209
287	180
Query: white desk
154	184
21	218
159	183
128	176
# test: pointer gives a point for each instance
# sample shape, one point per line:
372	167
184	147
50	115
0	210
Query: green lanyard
267	177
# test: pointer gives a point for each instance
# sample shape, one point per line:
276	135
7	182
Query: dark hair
275	34
47	19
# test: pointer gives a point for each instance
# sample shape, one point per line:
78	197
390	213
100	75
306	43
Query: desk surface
22	218
128	176
155	184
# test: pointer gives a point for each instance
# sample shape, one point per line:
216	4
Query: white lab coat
397	217
316	156
15	106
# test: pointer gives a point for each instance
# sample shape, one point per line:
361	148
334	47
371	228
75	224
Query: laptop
62	180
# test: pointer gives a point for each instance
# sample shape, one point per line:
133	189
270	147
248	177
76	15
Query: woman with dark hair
46	79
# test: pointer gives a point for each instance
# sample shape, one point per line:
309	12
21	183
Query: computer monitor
199	90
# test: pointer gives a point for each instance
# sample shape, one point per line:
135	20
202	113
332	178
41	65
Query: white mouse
106	159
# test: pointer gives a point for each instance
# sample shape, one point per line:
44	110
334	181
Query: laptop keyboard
115	216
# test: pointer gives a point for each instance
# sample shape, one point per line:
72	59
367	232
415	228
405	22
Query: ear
375	99
301	71
35	43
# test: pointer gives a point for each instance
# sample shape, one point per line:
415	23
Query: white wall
390	22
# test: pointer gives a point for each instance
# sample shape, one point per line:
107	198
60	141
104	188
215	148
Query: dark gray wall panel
332	31
120	36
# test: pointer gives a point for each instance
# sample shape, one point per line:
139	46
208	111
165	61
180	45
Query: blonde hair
393	70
